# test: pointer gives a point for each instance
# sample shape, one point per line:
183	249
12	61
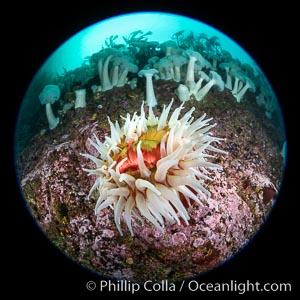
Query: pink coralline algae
198	242
178	238
56	189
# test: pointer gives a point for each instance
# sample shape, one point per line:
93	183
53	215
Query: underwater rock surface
56	188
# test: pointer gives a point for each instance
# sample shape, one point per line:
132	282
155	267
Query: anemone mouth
150	143
154	168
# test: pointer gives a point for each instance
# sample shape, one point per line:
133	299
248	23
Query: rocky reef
242	194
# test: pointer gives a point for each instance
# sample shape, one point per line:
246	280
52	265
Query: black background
32	32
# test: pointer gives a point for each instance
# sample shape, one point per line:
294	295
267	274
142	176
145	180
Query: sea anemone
215	80
153	168
80	101
150	95
49	95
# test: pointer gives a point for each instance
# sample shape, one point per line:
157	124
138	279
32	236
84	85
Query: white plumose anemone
153	167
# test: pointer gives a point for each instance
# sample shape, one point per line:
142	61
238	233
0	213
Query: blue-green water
90	40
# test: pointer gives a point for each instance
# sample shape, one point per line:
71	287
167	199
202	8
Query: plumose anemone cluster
153	168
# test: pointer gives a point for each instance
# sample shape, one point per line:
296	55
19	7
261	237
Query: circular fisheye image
150	146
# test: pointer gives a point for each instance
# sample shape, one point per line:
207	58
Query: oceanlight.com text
193	286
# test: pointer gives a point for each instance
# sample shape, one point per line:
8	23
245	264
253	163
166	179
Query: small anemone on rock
152	167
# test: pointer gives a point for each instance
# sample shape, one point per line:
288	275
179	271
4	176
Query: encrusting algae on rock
57	189
150	165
